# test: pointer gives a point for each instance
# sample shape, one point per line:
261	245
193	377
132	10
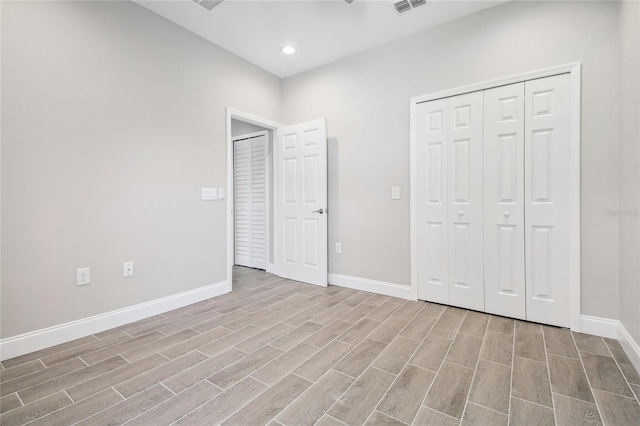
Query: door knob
321	211
506	214
460	213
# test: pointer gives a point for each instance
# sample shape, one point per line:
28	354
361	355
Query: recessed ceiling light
288	50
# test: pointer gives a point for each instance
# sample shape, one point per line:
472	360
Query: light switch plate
209	194
395	193
221	193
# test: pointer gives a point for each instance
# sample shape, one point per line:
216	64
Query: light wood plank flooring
279	352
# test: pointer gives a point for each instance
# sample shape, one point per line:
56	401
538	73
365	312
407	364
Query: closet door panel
258	203
432	197
504	268
547	157
464	211
242	192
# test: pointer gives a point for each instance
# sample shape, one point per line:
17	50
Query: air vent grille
403	6
208	4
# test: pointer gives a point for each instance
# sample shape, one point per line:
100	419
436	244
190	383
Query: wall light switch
221	193
209	194
395	193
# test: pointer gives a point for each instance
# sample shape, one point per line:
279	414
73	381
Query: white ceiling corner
322	31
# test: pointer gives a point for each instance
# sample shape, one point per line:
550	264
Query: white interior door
301	202
431	203
547	197
464	140
250	191
504	201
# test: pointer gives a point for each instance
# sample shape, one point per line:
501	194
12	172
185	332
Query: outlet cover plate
127	271
84	276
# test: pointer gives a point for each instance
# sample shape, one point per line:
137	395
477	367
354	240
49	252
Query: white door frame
258	121
574	69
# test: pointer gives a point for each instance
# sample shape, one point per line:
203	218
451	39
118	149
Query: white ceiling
322	31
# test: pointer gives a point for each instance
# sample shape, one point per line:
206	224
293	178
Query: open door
301	202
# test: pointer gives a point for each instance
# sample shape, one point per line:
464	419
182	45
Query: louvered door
250	201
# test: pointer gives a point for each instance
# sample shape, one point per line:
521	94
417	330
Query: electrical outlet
338	248
84	276
221	193
128	269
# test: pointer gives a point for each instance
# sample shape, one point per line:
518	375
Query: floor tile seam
123	366
439	412
542	405
53	412
48	380
488	408
595	353
44	367
341	422
353	383
388	415
475	370
424	399
624	375
613	393
269	387
171	397
387	392
584	371
296	365
548	367
529	358
564	356
243	377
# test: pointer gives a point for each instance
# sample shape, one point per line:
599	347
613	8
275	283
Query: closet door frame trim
574	70
231	113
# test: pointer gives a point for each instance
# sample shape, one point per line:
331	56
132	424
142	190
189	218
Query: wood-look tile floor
279	352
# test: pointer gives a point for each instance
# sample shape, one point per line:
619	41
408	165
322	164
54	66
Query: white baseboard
597	326
51	336
614	329
364	284
630	346
271	268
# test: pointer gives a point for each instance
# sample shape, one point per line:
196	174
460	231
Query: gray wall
629	163
365	99
113	119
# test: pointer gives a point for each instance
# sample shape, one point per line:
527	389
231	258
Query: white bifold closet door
250	201
504	270
450	252
492	203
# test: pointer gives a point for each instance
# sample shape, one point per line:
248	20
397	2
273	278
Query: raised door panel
547	212
301	182
503	158
431	209
464	204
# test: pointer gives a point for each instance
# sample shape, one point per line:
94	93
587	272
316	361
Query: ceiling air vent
208	4
403	6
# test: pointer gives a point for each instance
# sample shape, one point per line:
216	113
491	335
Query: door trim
235	114
574	70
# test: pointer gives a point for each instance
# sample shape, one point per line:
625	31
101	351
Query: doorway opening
249	217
